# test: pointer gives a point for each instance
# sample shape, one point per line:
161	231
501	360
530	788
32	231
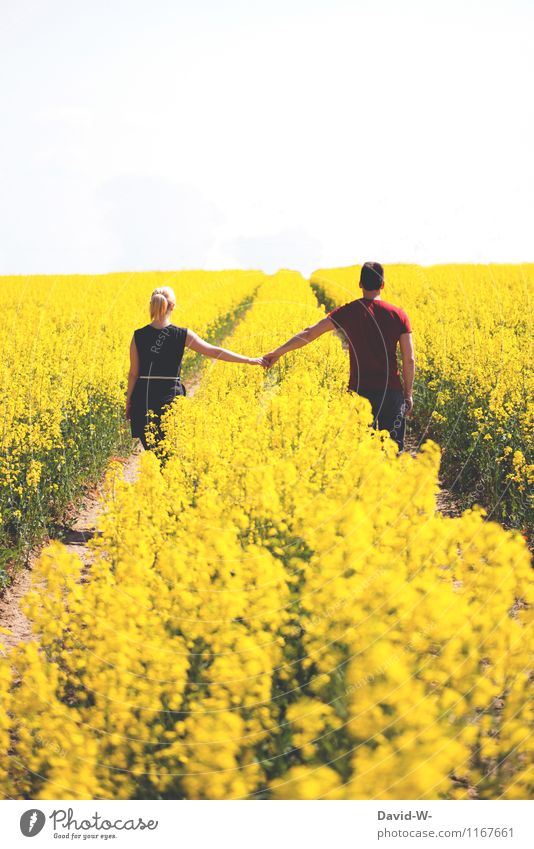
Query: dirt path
81	529
75	538
11	615
445	500
82	526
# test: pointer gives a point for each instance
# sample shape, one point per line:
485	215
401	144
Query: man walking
373	328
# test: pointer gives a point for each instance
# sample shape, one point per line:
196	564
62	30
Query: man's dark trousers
388	411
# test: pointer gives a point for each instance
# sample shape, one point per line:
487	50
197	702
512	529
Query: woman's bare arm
133	374
195	343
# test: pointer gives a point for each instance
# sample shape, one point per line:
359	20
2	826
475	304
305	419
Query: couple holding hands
373	328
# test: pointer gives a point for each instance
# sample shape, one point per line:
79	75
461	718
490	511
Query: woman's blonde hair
161	301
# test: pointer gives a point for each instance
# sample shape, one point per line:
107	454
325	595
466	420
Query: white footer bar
269	824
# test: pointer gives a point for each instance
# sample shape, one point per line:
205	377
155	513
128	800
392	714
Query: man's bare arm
304	337
408	369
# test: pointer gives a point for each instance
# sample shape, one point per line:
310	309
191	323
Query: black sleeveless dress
160	361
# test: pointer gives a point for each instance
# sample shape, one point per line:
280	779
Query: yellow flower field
276	609
474	385
64	351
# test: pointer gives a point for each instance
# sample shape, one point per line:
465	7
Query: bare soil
81	528
75	538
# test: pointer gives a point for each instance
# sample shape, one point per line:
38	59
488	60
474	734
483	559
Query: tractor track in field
82	523
75	537
446	503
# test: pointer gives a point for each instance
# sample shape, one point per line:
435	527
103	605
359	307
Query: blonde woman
156	352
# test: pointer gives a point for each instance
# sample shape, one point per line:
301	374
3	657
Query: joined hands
270	359
267	361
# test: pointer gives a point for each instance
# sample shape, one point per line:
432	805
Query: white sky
145	134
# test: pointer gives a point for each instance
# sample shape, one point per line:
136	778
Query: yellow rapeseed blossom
64	350
275	608
474	385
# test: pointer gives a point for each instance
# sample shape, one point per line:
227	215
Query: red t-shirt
372	328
